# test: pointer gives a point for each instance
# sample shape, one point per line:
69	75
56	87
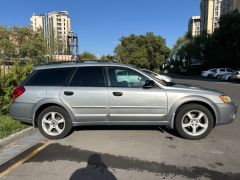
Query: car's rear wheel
194	121
54	122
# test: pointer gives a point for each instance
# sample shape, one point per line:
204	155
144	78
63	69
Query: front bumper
226	113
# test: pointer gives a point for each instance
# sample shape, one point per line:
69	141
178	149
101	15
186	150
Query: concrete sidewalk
20	144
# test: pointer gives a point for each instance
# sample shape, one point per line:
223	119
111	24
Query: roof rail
82	61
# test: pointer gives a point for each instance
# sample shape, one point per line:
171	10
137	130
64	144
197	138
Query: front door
129	101
87	95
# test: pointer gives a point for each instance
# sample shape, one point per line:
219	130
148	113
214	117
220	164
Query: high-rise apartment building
194	26
210	14
229	6
37	21
56	27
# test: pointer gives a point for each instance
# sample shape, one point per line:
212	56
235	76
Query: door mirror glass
149	84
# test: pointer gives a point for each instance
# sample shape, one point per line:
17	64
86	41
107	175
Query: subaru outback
56	98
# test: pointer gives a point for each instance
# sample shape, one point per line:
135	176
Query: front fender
51	101
188	99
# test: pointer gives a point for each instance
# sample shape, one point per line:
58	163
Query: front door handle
68	93
117	93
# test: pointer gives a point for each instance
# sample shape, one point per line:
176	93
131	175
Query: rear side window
88	77
50	77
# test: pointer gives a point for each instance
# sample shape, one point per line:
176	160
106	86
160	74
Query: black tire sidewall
64	113
189	107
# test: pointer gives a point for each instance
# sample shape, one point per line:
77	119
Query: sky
100	24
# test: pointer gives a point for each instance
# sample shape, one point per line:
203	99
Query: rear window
88	77
50	77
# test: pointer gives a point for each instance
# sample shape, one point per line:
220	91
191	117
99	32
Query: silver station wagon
55	98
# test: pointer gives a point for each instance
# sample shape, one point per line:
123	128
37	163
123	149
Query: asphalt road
140	152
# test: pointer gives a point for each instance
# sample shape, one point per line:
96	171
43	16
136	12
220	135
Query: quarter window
124	77
50	77
88	77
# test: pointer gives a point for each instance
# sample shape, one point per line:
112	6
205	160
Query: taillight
18	92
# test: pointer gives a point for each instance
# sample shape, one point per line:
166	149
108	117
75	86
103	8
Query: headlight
225	99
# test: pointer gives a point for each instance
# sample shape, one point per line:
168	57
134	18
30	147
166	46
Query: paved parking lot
140	152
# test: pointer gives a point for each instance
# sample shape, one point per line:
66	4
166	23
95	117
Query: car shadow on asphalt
167	131
95	169
99	163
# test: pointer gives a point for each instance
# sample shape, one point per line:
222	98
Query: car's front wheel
194	121
54	122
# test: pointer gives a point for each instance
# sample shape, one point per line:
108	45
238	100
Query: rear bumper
21	112
227	113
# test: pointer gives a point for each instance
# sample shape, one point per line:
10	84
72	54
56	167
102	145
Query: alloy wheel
195	123
53	123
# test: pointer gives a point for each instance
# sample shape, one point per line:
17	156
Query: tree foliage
21	48
22	43
220	49
144	51
87	56
11	80
107	57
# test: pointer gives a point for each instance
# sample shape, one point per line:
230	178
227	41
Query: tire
185	125
218	76
54	128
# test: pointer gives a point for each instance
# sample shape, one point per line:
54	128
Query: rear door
130	102
87	95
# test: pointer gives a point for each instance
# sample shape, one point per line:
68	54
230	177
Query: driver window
124	77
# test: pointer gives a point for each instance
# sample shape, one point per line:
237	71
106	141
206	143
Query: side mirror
149	84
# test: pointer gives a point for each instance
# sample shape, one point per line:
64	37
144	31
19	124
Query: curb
13	137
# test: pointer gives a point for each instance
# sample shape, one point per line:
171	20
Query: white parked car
209	73
222	71
164	78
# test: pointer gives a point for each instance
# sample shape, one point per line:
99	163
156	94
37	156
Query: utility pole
72	42
238	55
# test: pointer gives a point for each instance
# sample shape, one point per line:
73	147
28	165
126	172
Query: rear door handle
68	93
117	93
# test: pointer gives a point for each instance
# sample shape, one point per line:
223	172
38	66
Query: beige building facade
194	26
37	22
210	15
56	27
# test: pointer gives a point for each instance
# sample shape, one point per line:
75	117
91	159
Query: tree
22	43
87	56
144	51
107	58
221	49
22	48
225	42
12	79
